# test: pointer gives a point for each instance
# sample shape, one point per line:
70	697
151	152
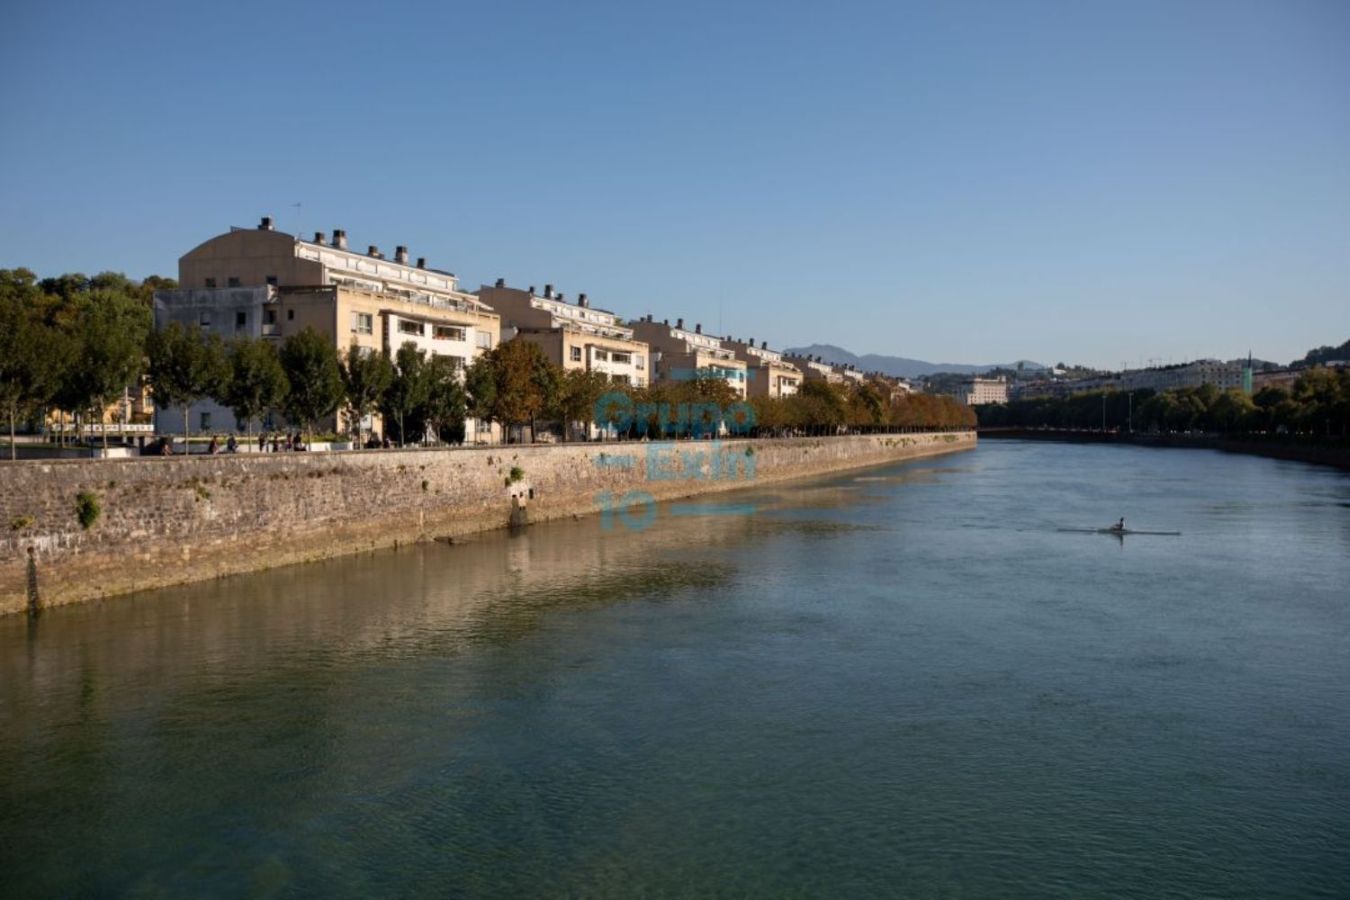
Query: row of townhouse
263	283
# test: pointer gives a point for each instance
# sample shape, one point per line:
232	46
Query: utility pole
1103	411
1131	419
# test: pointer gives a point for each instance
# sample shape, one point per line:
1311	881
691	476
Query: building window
233	281
270	317
637	359
575	354
363	323
456	363
290	315
450	333
272	280
601	356
240	321
618	379
406	327
204	319
484	340
623	358
210	282
204	423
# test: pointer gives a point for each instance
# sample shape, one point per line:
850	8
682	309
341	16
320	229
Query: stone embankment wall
164	521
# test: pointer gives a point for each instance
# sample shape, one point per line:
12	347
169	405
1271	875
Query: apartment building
262	283
813	369
572	335
678	354
978	391
767	373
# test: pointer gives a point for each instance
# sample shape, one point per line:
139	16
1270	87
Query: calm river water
899	682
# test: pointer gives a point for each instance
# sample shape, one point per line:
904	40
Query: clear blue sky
957	181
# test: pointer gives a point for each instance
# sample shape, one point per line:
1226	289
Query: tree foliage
313	376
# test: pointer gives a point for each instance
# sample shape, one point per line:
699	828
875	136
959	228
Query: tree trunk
187	432
13	453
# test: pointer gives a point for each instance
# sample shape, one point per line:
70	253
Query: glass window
234	281
637	359
210	282
484	340
272	280
406	327
450	333
204	319
240	320
363	323
290	315
204	423
576	354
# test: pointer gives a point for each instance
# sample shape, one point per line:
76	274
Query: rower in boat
1119	526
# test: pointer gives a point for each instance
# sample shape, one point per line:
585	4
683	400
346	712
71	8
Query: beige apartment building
813	369
677	354
263	283
572	335
978	391
767	373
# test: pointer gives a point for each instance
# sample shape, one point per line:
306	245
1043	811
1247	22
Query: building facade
980	391
572	335
768	374
262	283
678	354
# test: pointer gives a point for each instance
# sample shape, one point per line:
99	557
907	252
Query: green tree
313	376
578	392
33	354
408	391
185	367
110	337
480	384
526	383
446	403
366	375
257	381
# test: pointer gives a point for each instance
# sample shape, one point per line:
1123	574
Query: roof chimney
339	239
421	262
582	301
265	224
679	323
764	345
698	328
665	321
560	298
548	292
750	342
531	290
375	252
401	254
501	283
318	237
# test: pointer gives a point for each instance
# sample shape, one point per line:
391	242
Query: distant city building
978	391
678	354
768	374
262	283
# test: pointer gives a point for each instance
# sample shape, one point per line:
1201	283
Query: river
900	681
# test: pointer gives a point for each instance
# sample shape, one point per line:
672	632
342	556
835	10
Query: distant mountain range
899	366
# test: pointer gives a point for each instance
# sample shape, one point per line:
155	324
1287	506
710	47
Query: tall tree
480	384
33	354
257	381
366	375
526	383
446	403
314	377
578	393
185	367
407	393
110	336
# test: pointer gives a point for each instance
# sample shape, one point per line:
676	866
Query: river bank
1328	452
76	530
